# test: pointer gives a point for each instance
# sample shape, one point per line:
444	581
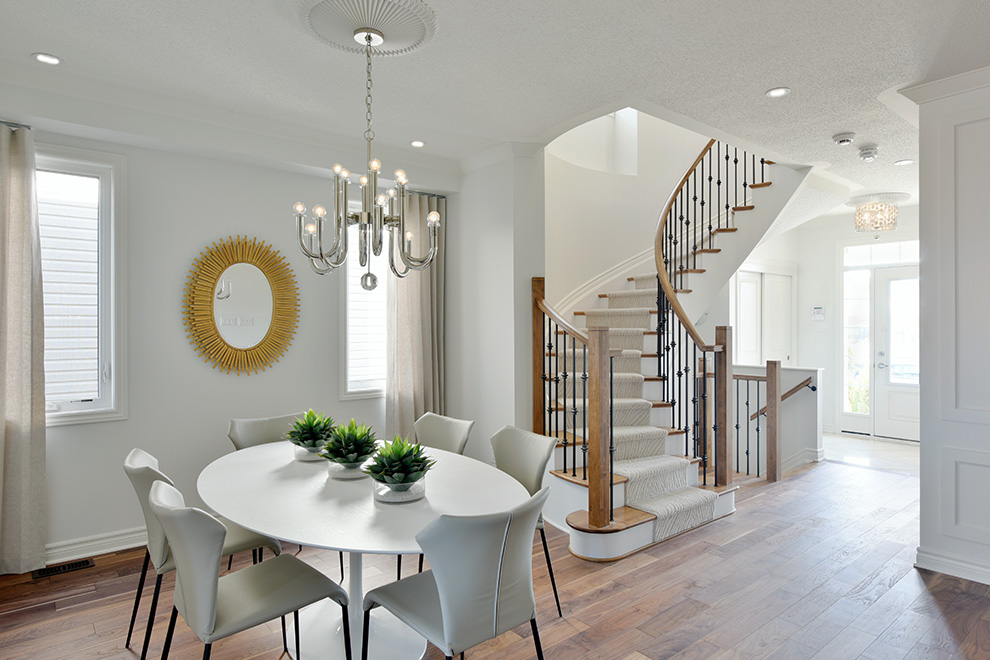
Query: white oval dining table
266	490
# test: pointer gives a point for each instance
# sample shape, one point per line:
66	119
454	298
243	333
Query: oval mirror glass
242	305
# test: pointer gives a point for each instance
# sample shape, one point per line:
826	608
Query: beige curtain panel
414	380
23	512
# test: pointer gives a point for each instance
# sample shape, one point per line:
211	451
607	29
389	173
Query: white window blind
366	321
81	238
69	215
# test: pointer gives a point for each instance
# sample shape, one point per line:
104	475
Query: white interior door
748	330
896	348
778	318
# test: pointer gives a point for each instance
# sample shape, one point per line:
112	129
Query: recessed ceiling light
419	144
46	58
777	92
906	161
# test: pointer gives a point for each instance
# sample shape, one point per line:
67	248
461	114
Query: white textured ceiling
522	70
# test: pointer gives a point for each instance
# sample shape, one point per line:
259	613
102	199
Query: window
366	317
79	200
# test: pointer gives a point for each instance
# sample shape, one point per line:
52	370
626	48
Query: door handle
881	365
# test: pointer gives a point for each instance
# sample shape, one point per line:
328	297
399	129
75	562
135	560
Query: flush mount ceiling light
869	154
905	161
323	236
777	92
419	144
878	211
844	139
47	58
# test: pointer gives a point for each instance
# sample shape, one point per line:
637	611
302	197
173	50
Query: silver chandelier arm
391	254
421	263
315	264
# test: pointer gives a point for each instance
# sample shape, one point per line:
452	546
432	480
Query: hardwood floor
816	566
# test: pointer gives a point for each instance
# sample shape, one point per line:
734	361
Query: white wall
814	248
955	397
178	405
608	218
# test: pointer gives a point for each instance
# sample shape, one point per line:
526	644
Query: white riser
661	416
653	390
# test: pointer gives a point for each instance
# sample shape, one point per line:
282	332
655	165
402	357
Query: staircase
659	483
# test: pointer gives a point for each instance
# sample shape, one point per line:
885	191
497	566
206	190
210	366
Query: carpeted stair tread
636	317
678	510
651	476
635	298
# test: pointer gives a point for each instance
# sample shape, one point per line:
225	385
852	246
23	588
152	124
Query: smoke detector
869	154
844	139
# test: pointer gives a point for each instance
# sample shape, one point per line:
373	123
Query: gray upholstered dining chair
480	582
524	456
440	432
251	431
142	469
248	432
216	607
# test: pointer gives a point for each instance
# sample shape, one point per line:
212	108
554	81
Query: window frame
346	393
112	170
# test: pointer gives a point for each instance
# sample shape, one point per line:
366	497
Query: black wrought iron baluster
695	417
728	186
709	201
562	401
681	241
715	427
693	212
574	410
763	170
549	378
611	439
747	420
735	177
757	429
584	425
543	377
704	410
737	426
676	414
745	185
556	398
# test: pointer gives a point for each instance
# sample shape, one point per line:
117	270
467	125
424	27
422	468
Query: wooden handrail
665	284
748	377
561	323
784	397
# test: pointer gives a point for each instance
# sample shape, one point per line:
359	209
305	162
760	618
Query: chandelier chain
368	133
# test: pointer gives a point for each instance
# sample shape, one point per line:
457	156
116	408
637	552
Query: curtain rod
427	194
14	124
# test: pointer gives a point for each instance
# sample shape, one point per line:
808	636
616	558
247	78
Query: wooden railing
560	378
703	205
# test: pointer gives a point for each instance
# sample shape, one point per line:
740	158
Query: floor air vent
58	569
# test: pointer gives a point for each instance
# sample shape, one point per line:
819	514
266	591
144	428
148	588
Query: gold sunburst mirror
241	305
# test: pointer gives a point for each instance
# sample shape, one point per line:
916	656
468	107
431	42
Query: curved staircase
658	447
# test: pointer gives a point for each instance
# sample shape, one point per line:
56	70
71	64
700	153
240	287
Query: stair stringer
736	247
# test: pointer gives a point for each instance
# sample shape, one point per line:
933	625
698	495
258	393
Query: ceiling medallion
409	24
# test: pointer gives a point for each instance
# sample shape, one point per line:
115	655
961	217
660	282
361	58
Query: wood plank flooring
816	566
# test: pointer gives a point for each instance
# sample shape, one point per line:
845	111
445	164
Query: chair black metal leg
364	634
341	555
151	617
295	623
398	567
553	582
206	651
137	597
421	557
168	635
347	633
230	562
536	638
285	644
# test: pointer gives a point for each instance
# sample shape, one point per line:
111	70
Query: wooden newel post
773	421
598	425
724	411
538	361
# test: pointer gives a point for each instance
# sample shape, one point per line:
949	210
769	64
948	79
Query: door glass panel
904	342
857	363
856	255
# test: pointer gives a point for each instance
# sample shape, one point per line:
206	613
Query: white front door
896	348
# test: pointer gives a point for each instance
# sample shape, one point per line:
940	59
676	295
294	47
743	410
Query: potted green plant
309	433
347	448
399	468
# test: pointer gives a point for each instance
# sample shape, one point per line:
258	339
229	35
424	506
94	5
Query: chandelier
380	211
877	212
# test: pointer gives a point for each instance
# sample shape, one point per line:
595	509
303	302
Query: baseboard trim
594	286
56	553
803	457
961	567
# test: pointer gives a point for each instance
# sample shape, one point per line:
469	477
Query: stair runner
657	482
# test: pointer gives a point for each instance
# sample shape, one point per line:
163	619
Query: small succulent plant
353	443
399	463
311	431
